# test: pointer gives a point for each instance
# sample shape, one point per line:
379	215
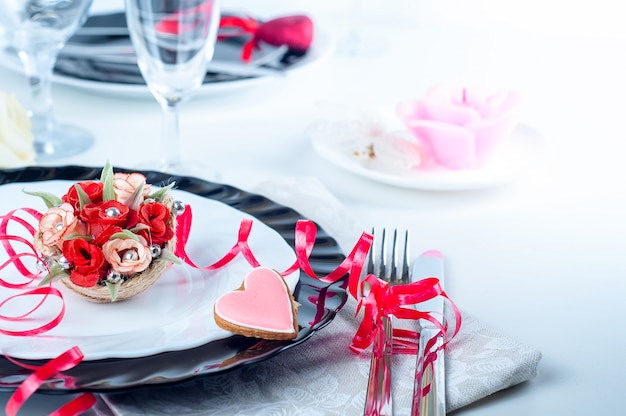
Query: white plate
176	313
320	48
334	141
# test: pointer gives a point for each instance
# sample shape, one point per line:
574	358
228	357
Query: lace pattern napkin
322	376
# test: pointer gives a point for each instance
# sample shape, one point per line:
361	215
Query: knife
429	264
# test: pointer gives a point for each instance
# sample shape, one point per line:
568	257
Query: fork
378	399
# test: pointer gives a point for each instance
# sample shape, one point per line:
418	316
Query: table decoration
147	366
323	375
16	136
458	127
374	305
100	74
108	240
374	142
295	31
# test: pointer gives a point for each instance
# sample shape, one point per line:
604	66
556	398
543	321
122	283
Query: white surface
176	313
542	260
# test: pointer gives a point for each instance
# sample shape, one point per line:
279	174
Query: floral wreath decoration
108	240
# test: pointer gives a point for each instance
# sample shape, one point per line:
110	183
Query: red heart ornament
262	307
294	31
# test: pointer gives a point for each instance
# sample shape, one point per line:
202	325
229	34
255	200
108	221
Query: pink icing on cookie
262	304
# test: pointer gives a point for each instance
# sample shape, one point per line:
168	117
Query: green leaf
49	199
124	234
158	195
74	236
56	273
108	194
167	255
83	198
134	200
113	288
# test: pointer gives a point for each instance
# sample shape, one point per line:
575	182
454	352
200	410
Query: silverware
379	399
429	264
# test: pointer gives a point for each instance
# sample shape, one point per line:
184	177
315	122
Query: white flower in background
16	136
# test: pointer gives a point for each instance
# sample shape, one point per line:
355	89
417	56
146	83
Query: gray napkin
322	376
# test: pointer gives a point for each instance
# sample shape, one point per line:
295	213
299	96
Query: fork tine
405	261
394	258
382	273
371	261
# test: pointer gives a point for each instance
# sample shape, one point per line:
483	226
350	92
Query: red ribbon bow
294	31
379	300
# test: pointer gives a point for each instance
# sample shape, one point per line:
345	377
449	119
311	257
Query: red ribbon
69	359
374	296
15	259
381	299
296	32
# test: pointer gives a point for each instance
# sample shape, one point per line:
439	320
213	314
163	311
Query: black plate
320	302
98	70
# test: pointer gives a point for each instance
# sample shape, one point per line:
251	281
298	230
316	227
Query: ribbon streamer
380	300
69	359
15	259
375	297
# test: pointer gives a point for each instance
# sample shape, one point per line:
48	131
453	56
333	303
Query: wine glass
37	30
174	41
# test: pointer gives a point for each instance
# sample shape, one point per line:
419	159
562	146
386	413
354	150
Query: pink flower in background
459	127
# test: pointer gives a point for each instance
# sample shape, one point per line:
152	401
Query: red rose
106	234
101	216
91	188
156	216
87	261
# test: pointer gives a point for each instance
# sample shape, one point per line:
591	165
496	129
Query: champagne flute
37	30
174	41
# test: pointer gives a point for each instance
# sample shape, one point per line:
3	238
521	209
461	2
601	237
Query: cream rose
124	184
59	222
16	136
126	255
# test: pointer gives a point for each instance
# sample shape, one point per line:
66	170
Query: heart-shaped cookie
262	307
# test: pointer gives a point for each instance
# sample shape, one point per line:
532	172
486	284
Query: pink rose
124	184
59	222
460	128
126	255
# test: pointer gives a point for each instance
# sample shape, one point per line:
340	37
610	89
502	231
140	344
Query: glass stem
38	65
170	138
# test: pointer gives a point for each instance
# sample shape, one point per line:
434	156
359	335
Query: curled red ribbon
379	300
69	359
15	259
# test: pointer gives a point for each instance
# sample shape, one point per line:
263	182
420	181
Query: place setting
139	288
147	51
177	343
250	50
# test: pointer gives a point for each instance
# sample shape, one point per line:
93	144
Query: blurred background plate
97	76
